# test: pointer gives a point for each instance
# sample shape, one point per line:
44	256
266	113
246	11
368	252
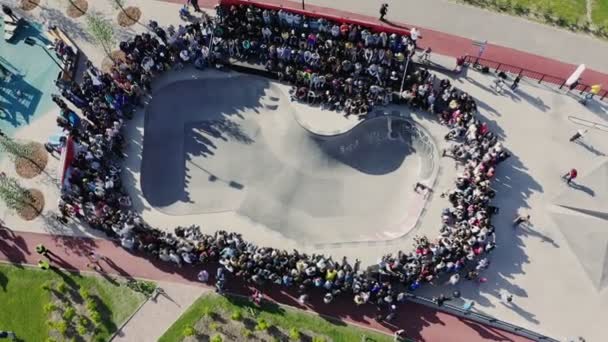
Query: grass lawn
22	299
599	14
277	316
570	11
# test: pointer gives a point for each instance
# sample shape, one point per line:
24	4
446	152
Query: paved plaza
248	159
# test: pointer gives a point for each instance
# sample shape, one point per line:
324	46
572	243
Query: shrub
69	314
61	327
84	293
207	312
95	317
561	21
50	339
62	288
237	315
81	329
82	320
47	285
213	326
49	307
262	325
216	338
188	331
294	334
318	339
246	333
91	305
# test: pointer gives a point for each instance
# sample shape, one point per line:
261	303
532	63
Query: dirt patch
28	5
77	8
108	62
33	207
34	164
129	16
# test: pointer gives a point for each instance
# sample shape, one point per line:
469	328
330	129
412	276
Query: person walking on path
94	259
579	134
521	219
383	11
43	264
42	250
507	298
515	83
194	4
570	176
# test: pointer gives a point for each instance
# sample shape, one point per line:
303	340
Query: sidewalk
157	315
420	322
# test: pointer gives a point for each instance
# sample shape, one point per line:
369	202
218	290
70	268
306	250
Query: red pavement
451	45
420	322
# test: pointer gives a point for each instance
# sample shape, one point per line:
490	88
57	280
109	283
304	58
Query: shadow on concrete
74	30
590	148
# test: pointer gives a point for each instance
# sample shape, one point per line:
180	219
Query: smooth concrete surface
212	145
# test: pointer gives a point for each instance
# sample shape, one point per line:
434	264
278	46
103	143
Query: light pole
303	4
407	63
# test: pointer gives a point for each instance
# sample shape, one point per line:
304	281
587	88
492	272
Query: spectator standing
521	219
570	176
194	4
383	11
579	134
515	83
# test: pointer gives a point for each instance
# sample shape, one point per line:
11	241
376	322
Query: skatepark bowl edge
235	144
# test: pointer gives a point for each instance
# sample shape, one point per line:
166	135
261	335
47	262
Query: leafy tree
102	32
13	194
117	4
14	148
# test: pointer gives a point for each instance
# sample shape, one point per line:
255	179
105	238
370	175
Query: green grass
22	300
569	11
275	315
599	14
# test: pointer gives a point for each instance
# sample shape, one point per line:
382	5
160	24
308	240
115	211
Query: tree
15	148
128	15
117	4
14	195
102	32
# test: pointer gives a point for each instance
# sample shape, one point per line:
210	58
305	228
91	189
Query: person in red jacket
570	176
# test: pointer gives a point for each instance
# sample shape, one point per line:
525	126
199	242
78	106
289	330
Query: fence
538	76
481	318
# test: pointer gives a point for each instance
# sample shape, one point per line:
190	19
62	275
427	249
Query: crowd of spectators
347	67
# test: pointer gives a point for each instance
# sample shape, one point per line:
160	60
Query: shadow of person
528	316
587	190
530	231
590	148
3	281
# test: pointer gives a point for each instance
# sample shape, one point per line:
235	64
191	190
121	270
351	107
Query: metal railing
535	75
481	318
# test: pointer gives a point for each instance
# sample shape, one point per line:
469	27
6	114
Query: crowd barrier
481	318
537	76
292	7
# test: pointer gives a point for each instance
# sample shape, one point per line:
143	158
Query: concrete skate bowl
233	145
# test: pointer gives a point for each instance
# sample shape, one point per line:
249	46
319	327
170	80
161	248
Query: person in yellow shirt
330	275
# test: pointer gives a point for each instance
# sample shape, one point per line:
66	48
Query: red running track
450	45
421	323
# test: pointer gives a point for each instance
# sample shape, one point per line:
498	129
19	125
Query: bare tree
102	32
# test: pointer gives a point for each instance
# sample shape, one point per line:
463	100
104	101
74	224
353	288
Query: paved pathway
477	24
422	323
156	316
